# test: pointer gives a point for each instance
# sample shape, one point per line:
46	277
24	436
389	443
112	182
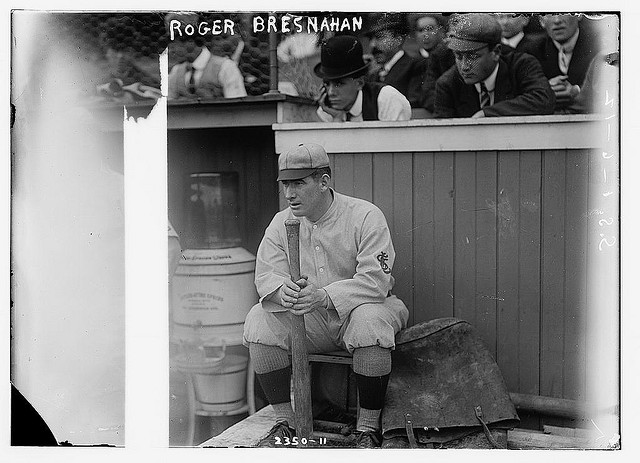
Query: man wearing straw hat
345	96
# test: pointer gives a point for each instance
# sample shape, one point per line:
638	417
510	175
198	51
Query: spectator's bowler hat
469	32
341	56
301	161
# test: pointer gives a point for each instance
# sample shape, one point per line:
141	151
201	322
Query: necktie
563	61
192	78
485	98
348	116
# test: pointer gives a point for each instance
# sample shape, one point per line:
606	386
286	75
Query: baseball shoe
368	439
280	436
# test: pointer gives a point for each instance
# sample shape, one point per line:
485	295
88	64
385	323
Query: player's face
476	65
305	197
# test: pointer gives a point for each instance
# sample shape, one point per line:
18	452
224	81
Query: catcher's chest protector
445	379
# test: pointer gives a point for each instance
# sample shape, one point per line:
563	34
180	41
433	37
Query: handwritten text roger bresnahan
285	24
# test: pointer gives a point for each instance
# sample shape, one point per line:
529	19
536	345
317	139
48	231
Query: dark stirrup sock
276	385
371	391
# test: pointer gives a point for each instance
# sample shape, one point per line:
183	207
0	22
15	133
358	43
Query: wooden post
273	62
299	357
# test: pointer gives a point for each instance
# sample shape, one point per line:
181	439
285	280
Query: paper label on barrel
200	301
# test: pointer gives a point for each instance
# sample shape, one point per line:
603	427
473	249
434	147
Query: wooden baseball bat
299	357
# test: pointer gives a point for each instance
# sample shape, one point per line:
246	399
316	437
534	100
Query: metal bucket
219	382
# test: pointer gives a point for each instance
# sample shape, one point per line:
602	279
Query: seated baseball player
486	82
345	95
344	294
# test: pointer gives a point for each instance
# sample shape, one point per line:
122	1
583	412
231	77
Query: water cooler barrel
213	290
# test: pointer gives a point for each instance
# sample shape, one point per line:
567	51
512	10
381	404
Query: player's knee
254	323
369	325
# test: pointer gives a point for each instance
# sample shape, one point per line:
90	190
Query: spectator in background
345	95
201	74
430	30
484	82
127	75
513	34
565	56
392	65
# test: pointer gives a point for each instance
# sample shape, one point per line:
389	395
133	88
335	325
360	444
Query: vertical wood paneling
486	254
403	228
344	175
576	276
465	237
507	211
529	265
443	234
362	176
423	238
553	274
383	185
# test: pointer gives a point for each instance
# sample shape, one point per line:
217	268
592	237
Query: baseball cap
469	32
301	161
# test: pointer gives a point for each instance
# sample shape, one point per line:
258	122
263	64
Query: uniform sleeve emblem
383	257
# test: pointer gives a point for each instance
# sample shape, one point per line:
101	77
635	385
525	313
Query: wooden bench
339	356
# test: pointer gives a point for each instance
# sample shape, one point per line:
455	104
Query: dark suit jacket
585	50
422	93
521	89
531	43
403	74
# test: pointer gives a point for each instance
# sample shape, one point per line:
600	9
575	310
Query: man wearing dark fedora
345	95
486	82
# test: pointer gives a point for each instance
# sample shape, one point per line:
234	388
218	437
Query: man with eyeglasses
484	82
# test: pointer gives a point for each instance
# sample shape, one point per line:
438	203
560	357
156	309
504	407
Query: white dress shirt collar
490	83
356	109
569	45
513	41
203	58
389	64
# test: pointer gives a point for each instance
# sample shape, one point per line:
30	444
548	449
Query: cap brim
295	174
456	44
318	71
